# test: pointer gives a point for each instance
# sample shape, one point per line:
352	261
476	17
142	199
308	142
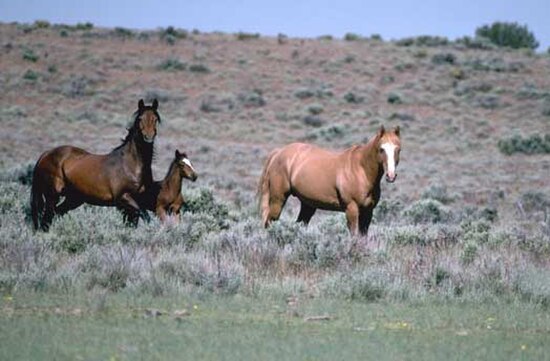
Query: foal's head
185	167
389	147
146	120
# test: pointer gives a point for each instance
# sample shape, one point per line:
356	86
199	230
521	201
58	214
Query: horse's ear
141	105
155	104
177	153
381	131
397	130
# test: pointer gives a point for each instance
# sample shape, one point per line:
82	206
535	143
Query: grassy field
456	263
220	328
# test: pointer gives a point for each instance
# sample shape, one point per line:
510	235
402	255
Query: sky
393	19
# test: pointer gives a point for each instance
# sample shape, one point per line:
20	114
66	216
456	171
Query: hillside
227	100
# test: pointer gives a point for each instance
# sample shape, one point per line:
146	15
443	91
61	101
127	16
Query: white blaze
389	148
188	162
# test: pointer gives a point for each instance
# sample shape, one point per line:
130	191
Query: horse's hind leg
49	210
306	212
279	191
70	202
276	205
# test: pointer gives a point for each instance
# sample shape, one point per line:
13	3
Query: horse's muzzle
194	177
147	139
391	179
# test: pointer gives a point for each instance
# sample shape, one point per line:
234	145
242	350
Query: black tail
37	199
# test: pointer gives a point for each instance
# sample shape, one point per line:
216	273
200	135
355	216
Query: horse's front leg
352	216
161	213
130	207
365	217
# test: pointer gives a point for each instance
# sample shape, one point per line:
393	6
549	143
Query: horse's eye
381	150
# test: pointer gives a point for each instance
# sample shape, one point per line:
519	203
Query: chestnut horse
347	181
164	197
104	180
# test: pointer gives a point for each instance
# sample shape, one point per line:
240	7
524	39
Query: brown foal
164	197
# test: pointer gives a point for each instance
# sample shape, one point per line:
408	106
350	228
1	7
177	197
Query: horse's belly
316	198
93	190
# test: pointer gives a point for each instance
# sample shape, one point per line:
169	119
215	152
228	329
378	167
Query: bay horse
164	197
105	180
347	181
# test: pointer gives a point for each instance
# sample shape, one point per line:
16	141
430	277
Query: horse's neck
369	161
173	180
140	154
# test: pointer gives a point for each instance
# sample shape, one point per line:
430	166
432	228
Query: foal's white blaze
188	162
389	148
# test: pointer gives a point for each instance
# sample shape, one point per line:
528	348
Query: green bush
170	34
546	108
352	37
329	132
427	211
123	33
444	58
469	252
198	68
437	192
202	201
313	121
21	173
30	55
247	36
533	286
507	34
218	274
388	210
252	98
41	24
476	43
320	92
84	26
31	75
394	98
497	65
315	109
328	38
534	144
409	235
353	98
367	285
172	64
423	40
534	202
12	198
475	232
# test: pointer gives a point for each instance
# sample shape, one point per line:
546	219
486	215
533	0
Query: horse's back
309	172
58	155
